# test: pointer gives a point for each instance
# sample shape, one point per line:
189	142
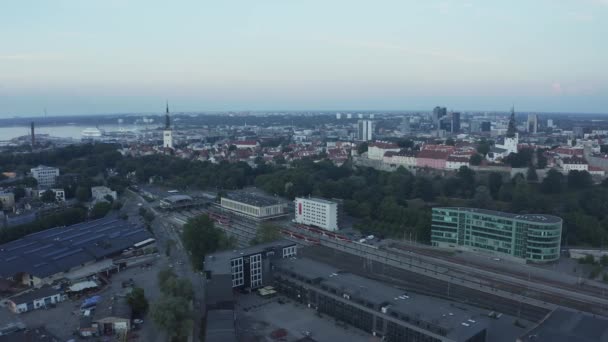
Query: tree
100	210
19	193
83	194
137	301
579	179
531	175
450	142
48	196
267	232
482	198
467	181
109	198
423	188
494	184
476	159
173	314
362	147
177	287
200	237
483	147
541	160
552	183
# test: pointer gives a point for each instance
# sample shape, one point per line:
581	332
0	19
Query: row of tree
172	311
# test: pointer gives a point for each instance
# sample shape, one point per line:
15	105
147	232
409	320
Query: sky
127	56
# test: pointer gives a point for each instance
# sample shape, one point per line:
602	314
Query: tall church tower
512	137
167	132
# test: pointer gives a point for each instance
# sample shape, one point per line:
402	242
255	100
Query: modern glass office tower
532	237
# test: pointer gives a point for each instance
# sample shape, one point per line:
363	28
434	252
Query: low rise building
100	193
573	164
249	268
253	205
377	149
530	237
385	312
455	162
7	200
317	212
433	159
35	299
404	158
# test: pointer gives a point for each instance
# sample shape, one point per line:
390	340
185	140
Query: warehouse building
317	212
52	254
253	205
530	237
376	308
40	298
249	267
563	325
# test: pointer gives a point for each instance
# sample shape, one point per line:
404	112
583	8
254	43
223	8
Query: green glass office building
530	237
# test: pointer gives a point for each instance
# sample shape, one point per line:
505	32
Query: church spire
512	129
167	119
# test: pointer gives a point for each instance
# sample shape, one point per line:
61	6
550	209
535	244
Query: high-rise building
532	126
167	132
365	131
531	237
33	135
550	123
438	113
338	116
405	125
486	126
455	122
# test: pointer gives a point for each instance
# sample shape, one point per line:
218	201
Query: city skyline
96	57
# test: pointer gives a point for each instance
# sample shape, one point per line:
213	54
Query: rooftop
220	326
177	198
39	334
253	199
567	326
112	307
317	199
219	262
442	314
536	218
43	292
55	250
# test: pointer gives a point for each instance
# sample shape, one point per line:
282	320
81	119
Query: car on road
138	321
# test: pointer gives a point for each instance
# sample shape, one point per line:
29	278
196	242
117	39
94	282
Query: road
165	230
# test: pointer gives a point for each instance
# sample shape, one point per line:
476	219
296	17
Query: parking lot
63	320
258	318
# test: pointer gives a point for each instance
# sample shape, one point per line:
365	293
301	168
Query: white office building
317	212
45	175
99	193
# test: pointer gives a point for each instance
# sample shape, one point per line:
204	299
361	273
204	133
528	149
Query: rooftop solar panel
55	252
12	248
89	239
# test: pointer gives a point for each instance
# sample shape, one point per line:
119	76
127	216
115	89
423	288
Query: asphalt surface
165	230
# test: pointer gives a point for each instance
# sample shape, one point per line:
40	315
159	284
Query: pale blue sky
109	56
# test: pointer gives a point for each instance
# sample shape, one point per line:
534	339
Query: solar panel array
61	249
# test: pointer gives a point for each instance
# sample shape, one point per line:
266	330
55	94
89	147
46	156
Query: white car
138	321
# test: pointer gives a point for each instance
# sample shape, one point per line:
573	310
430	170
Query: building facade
45	175
99	193
7	200
249	267
255	206
530	237
376	150
365	130
35	299
317	212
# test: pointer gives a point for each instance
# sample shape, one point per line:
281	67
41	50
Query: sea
66	131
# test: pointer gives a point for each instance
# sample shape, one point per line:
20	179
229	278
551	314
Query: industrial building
174	201
35	299
530	237
249	268
45	175
253	205
376	308
48	255
317	212
563	325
